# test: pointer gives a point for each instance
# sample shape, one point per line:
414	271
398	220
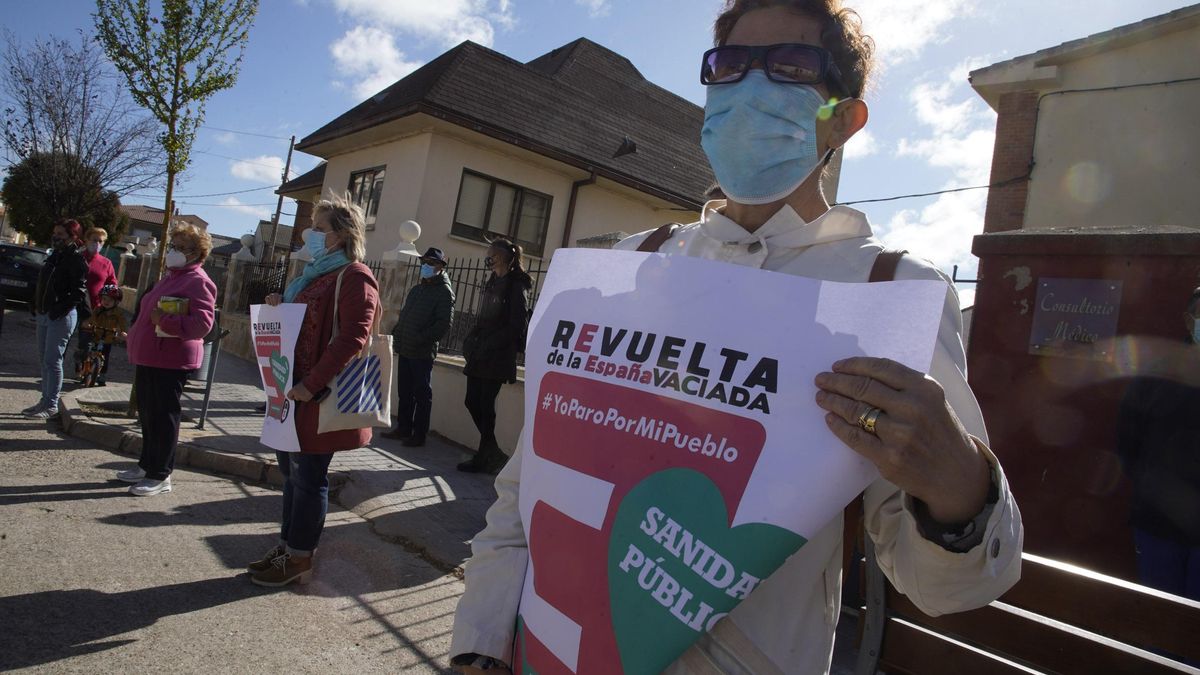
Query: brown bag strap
657	238
885	265
884	269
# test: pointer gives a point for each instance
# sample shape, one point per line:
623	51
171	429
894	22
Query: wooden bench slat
1109	606
909	649
1040	642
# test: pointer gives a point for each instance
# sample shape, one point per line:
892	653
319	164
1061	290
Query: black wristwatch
477	661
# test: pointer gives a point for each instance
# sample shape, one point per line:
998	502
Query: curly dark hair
841	33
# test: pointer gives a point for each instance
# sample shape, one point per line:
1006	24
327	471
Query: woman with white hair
337	246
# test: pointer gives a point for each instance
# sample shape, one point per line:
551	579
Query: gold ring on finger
868	419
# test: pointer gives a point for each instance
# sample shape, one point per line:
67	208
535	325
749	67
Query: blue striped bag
360	396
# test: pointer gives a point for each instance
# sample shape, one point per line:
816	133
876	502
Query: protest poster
274	330
674	456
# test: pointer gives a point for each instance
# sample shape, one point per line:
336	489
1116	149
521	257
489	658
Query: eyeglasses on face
783	63
186	250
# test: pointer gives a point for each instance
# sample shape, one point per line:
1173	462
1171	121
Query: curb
124	442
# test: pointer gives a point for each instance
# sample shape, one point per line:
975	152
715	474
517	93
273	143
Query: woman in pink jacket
164	346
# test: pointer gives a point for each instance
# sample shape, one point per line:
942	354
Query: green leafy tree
44	187
174	57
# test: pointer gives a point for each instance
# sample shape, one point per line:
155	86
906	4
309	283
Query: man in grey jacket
427	314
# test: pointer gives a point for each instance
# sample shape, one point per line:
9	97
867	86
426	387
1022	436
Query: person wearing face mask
61	290
1158	441
164	347
100	274
342	299
426	316
785	85
491	348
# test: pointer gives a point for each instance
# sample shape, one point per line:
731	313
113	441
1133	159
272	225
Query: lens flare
1087	182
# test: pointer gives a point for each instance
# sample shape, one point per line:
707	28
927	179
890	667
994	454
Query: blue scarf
319	267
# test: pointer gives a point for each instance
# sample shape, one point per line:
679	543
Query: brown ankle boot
264	564
285	569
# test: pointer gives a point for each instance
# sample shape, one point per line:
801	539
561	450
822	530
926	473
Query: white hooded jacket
789	620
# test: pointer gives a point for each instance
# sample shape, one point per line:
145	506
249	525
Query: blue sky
310	60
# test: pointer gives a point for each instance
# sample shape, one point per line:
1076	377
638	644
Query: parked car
19	269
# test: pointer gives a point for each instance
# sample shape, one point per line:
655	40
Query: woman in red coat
336	244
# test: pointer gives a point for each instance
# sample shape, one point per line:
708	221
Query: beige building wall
604	208
1120	158
424	171
405	161
448	156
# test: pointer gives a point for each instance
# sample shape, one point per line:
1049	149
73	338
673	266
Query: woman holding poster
785	85
165	344
337	246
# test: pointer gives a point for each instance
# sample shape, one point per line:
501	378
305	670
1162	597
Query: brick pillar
1016	126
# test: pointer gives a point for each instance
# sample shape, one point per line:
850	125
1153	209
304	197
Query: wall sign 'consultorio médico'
1075	318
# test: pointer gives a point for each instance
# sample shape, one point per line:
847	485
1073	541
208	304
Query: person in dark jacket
61	289
426	316
492	346
1159	444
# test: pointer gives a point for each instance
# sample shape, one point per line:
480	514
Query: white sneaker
134	475
148	486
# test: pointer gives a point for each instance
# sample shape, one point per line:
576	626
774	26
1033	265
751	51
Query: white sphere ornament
247	252
410	230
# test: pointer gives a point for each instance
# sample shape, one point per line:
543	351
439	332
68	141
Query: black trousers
481	403
414	395
158	392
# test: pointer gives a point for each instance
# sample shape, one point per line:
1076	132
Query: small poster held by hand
171	305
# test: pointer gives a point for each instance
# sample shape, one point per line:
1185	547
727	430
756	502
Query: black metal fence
468	276
217	269
260	280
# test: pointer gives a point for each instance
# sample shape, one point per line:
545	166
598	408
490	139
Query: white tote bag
361	395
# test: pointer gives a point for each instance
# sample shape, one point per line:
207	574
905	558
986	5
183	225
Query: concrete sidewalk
412	496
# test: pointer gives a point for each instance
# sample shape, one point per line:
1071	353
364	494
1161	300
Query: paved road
413	495
95	580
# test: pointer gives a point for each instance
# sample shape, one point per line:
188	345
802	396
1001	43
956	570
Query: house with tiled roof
570	146
146	222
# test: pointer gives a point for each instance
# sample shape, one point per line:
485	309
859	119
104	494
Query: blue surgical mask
761	137
316	243
1196	332
428	271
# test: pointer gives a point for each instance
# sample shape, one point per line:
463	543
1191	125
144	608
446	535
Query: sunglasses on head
783	63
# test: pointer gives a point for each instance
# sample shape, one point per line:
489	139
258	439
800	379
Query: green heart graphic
282	370
697	567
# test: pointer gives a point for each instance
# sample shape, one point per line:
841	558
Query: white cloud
235	204
595	8
903	28
225	137
959	138
446	22
368	57
262	169
862	144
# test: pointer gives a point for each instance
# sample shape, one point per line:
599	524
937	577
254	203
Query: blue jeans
53	335
305	499
414	393
1167	565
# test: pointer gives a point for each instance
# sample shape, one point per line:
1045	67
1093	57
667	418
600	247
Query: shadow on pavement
247	509
50	626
